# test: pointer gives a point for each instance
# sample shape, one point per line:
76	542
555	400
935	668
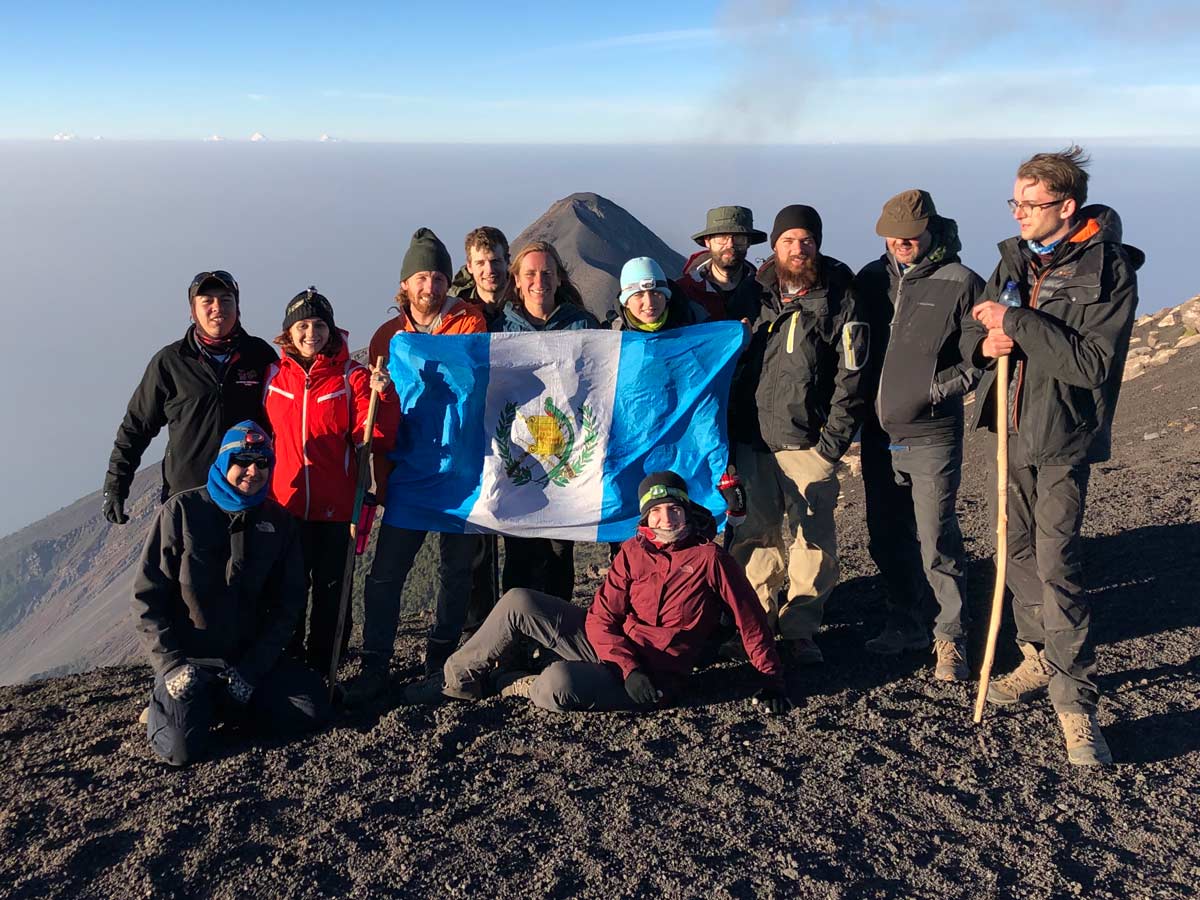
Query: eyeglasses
726	240
1024	207
246	460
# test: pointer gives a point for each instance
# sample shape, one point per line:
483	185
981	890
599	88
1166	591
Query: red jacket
658	605
318	418
457	317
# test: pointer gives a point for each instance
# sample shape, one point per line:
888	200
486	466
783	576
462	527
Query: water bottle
1010	296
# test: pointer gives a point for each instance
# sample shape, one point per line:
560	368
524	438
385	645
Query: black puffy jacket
1072	336
218	585
182	391
801	381
917	373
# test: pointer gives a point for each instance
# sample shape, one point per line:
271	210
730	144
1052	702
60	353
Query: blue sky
627	72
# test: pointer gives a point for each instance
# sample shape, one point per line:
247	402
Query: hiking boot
144	718
801	652
951	661
429	691
369	683
1086	745
436	654
898	639
1024	682
515	684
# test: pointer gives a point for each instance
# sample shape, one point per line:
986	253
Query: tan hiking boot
144	718
1024	682
951	661
1086	745
515	684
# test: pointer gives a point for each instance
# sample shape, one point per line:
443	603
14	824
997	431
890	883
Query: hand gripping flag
548	434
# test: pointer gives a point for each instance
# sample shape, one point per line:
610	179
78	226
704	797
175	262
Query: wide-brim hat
730	220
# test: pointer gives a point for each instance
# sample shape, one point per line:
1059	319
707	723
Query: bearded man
795	409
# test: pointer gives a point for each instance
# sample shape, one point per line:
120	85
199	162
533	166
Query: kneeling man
636	646
218	593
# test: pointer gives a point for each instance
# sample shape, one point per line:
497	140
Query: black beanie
661	487
797	216
308	305
426	254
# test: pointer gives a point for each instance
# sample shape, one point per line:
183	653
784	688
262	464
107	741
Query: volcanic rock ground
876	785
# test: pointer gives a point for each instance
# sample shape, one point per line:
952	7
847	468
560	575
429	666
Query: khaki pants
802	486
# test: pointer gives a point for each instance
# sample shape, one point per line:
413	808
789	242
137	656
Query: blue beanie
642	274
244	437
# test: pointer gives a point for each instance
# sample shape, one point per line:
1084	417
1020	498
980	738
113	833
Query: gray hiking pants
578	682
915	538
1045	575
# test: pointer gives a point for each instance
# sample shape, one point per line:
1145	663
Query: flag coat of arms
549	434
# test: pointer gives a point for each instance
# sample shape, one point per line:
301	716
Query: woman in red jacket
316	400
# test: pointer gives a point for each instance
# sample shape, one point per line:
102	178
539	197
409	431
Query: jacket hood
833	272
696	260
566	313
462	282
945	248
1109	223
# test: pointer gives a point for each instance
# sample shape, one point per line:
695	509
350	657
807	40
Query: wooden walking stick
993	632
360	493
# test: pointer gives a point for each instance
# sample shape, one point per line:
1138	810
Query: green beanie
426	254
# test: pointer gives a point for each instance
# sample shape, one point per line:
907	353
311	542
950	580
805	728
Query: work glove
238	688
641	689
772	700
733	492
182	682
114	508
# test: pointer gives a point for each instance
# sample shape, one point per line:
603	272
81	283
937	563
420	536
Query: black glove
114	509
641	689
772	700
238	688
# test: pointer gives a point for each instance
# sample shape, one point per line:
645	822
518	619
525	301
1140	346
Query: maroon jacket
658	605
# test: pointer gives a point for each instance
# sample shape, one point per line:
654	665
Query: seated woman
635	647
217	595
648	302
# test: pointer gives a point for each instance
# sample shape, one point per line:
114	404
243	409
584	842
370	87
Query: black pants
1045	575
914	535
540	564
485	583
289	701
394	555
324	545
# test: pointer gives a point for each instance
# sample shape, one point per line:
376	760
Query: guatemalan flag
548	434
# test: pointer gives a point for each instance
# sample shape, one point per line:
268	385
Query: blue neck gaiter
244	437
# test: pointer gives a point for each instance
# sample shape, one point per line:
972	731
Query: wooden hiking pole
360	493
989	651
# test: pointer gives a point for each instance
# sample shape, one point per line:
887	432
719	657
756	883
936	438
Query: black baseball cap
209	283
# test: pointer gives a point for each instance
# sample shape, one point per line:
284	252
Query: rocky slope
876	785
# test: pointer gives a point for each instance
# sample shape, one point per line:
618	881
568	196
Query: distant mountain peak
595	237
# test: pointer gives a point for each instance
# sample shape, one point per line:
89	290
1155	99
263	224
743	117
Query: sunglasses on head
219	274
246	460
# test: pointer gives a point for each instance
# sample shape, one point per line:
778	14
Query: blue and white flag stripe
549	434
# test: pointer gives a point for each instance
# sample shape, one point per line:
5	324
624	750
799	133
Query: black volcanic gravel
876	785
